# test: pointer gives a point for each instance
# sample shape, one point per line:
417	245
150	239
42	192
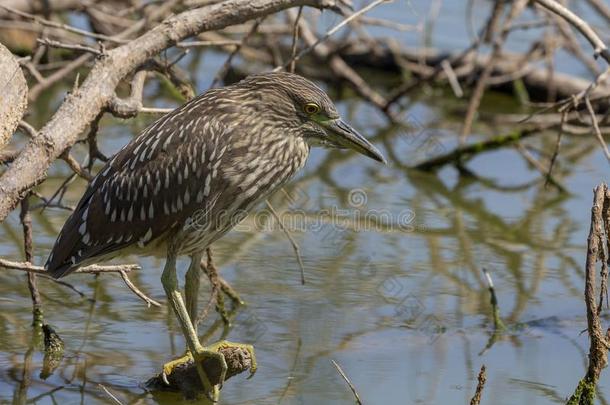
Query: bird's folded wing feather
148	189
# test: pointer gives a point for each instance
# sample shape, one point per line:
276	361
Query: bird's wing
149	188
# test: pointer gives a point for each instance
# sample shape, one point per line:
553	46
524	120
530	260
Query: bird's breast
244	180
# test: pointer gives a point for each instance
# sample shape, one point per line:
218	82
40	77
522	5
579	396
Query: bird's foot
203	359
168	368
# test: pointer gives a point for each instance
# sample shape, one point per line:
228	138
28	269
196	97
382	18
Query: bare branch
129	107
600	49
94	268
597	131
338	66
58	75
65	27
27	129
295	37
197	44
481	85
330	32
149	301
74	47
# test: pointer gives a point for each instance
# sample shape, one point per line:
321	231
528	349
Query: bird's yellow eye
311	108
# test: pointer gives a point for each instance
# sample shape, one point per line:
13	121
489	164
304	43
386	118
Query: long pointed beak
347	137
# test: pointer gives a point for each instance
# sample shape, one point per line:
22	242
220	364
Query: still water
394	293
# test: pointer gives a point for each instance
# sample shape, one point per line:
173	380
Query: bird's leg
191	292
191	287
198	352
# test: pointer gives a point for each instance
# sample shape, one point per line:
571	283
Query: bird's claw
168	368
164	378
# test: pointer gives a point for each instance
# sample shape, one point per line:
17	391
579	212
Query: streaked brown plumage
194	173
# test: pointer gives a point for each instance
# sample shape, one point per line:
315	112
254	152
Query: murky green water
394	293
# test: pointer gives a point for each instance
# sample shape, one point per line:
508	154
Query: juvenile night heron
194	174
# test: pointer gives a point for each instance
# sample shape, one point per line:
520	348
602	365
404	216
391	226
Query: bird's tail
59	271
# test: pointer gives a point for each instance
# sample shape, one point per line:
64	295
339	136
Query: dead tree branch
600	49
599	340
149	301
92	269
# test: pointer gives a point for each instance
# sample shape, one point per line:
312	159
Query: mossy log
184	378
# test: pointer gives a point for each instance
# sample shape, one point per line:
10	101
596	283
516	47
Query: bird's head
297	103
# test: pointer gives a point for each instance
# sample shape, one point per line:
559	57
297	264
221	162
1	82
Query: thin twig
294	244
129	107
598	133
220	75
76	167
155	110
477	94
564	116
73	47
540	167
602	8
58	75
198	44
91	269
330	32
600	49
112	397
295	37
453	81
575	99
65	27
342	70
149	301
351	386
28	129
63	283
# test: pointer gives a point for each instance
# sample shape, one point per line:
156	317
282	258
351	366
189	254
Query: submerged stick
28	247
476	399
498	324
185	379
351	386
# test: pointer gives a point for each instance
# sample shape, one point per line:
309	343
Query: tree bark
13	95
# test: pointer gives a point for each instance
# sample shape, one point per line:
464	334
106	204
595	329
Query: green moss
584	393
